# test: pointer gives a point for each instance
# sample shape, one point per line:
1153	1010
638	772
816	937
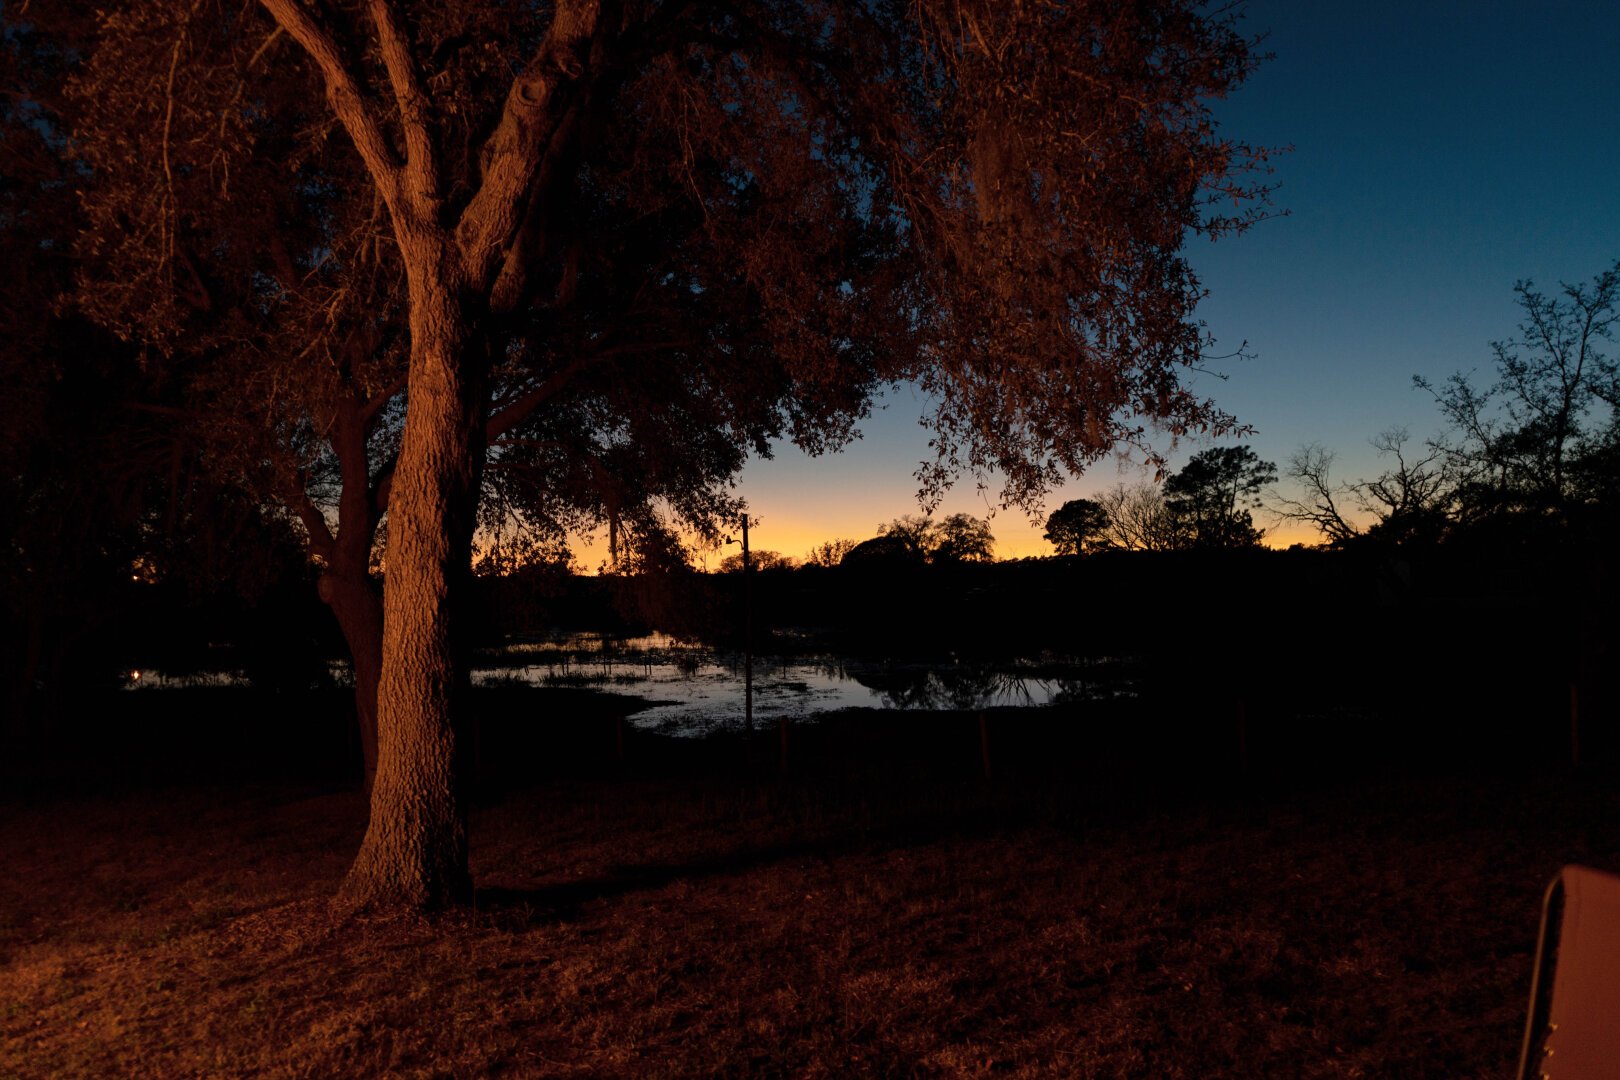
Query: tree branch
522	407
343	92
511	281
513	154
421	171
379	401
291	492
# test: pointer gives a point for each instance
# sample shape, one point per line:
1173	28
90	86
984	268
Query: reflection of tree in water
966	686
1096	679
960	687
1038	679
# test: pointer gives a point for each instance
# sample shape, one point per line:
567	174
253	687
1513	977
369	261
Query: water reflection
692	689
957	687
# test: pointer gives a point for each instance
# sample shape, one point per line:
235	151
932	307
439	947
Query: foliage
98	487
1078	527
1535	451
1212	496
1207	504
828	553
883	552
963	538
956	538
265	243
625	244
760	560
917	534
1541	440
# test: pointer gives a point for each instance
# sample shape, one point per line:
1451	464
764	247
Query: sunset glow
1178	443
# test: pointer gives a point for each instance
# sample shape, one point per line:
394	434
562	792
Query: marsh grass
667	920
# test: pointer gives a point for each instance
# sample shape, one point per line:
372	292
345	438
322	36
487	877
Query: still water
693	689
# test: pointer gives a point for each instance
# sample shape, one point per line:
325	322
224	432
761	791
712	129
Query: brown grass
828	927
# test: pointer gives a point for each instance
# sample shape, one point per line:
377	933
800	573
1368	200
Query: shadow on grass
565	901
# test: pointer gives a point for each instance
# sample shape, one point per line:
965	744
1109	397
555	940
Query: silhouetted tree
1539	440
957	538
917	533
1409	502
97	489
882	553
1138	519
1078	527
1212	496
828	553
762	561
871	190
963	538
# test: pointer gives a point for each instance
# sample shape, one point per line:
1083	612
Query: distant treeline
1493	637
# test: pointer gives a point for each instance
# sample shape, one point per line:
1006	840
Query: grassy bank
672	919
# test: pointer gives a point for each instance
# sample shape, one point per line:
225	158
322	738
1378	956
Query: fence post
1575	724
984	743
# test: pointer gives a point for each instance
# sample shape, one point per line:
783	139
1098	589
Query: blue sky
1442	151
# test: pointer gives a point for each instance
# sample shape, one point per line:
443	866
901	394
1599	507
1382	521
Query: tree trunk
357	606
415	849
346	586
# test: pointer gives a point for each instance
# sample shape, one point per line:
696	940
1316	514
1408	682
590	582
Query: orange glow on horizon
1016	538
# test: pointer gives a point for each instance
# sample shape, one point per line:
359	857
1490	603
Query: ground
665	920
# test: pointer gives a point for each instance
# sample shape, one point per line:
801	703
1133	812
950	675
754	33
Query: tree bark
357	606
415	849
346	586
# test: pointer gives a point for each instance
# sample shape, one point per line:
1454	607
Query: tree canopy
1078	527
955	538
1207	504
1212	497
572	262
1541	439
1532	453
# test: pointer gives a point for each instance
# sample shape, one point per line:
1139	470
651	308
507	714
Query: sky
1442	151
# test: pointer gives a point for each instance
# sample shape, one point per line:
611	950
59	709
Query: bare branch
1309	468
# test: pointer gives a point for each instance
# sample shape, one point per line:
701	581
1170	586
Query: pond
694	689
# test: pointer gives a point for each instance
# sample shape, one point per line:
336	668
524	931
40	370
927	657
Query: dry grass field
869	922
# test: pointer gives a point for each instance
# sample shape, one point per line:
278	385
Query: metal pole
748	632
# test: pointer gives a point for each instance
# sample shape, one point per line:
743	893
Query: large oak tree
639	238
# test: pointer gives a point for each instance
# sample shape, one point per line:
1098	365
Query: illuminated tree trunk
415	849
